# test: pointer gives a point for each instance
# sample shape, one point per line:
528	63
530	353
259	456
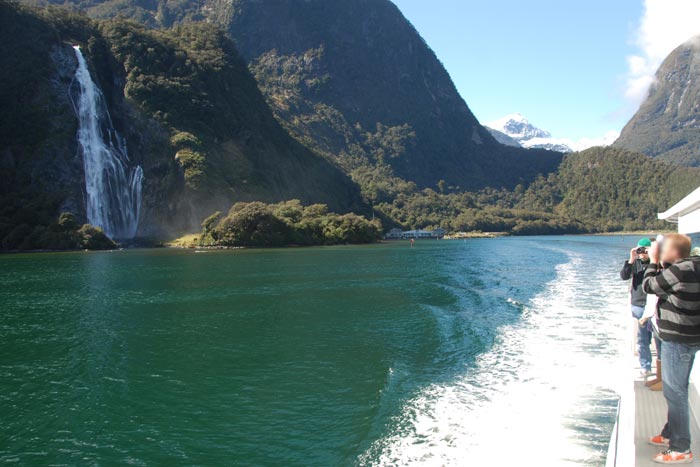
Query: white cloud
665	24
585	143
577	145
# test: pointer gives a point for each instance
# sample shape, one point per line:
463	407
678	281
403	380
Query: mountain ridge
667	124
355	82
292	114
379	96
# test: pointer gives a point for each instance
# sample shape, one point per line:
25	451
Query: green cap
645	242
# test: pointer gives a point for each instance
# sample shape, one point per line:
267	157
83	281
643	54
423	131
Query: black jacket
635	271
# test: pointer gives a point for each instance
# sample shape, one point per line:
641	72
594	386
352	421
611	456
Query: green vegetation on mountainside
598	190
362	91
613	189
191	79
190	111
667	124
356	83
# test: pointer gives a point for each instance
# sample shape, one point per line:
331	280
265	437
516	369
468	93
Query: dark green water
323	356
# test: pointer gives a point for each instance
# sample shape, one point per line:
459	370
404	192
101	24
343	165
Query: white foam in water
529	400
113	189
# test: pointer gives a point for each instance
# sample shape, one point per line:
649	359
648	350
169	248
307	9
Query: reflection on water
377	355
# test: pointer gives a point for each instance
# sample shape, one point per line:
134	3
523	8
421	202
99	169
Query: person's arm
662	282
649	312
626	272
628	268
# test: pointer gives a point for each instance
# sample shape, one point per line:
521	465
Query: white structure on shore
398	234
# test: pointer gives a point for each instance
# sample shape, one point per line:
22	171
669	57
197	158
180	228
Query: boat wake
544	392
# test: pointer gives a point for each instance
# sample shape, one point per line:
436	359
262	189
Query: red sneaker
659	441
673	457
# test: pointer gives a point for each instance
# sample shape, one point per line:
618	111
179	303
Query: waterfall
112	187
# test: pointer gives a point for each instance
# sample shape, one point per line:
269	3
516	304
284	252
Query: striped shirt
678	307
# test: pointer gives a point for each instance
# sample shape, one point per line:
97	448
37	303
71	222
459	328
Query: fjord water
450	353
112	187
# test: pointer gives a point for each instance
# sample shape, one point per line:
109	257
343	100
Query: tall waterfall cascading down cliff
112	187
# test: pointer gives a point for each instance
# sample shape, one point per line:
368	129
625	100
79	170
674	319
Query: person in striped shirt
674	278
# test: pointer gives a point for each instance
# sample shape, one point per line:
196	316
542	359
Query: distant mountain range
667	124
515	130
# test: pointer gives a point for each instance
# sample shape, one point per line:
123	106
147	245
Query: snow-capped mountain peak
518	127
515	129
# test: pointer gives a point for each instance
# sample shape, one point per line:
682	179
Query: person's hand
633	255
643	321
653	251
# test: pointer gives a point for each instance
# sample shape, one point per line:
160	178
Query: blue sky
564	65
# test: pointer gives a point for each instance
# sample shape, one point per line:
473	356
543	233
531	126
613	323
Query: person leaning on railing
678	323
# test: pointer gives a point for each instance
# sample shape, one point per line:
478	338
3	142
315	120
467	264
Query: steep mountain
354	81
517	128
667	124
188	109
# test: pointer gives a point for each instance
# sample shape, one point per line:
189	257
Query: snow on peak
501	123
518	127
518	130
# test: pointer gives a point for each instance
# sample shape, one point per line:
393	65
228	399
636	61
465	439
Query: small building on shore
398	234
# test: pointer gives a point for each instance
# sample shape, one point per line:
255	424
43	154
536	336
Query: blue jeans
643	340
678	361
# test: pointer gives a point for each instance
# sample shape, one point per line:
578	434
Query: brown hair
680	242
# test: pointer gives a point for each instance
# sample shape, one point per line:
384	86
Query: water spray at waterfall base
112	185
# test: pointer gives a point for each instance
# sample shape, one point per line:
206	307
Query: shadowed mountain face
185	103
354	80
667	125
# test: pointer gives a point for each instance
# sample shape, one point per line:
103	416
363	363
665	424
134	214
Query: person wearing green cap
634	269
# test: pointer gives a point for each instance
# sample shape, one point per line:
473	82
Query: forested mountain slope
184	101
667	124
354	81
597	190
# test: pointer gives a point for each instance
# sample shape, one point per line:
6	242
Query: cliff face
352	99
667	124
355	81
189	109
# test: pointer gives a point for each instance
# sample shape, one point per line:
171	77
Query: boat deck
650	416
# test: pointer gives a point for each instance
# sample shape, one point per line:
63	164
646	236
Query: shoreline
180	243
476	234
643	233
